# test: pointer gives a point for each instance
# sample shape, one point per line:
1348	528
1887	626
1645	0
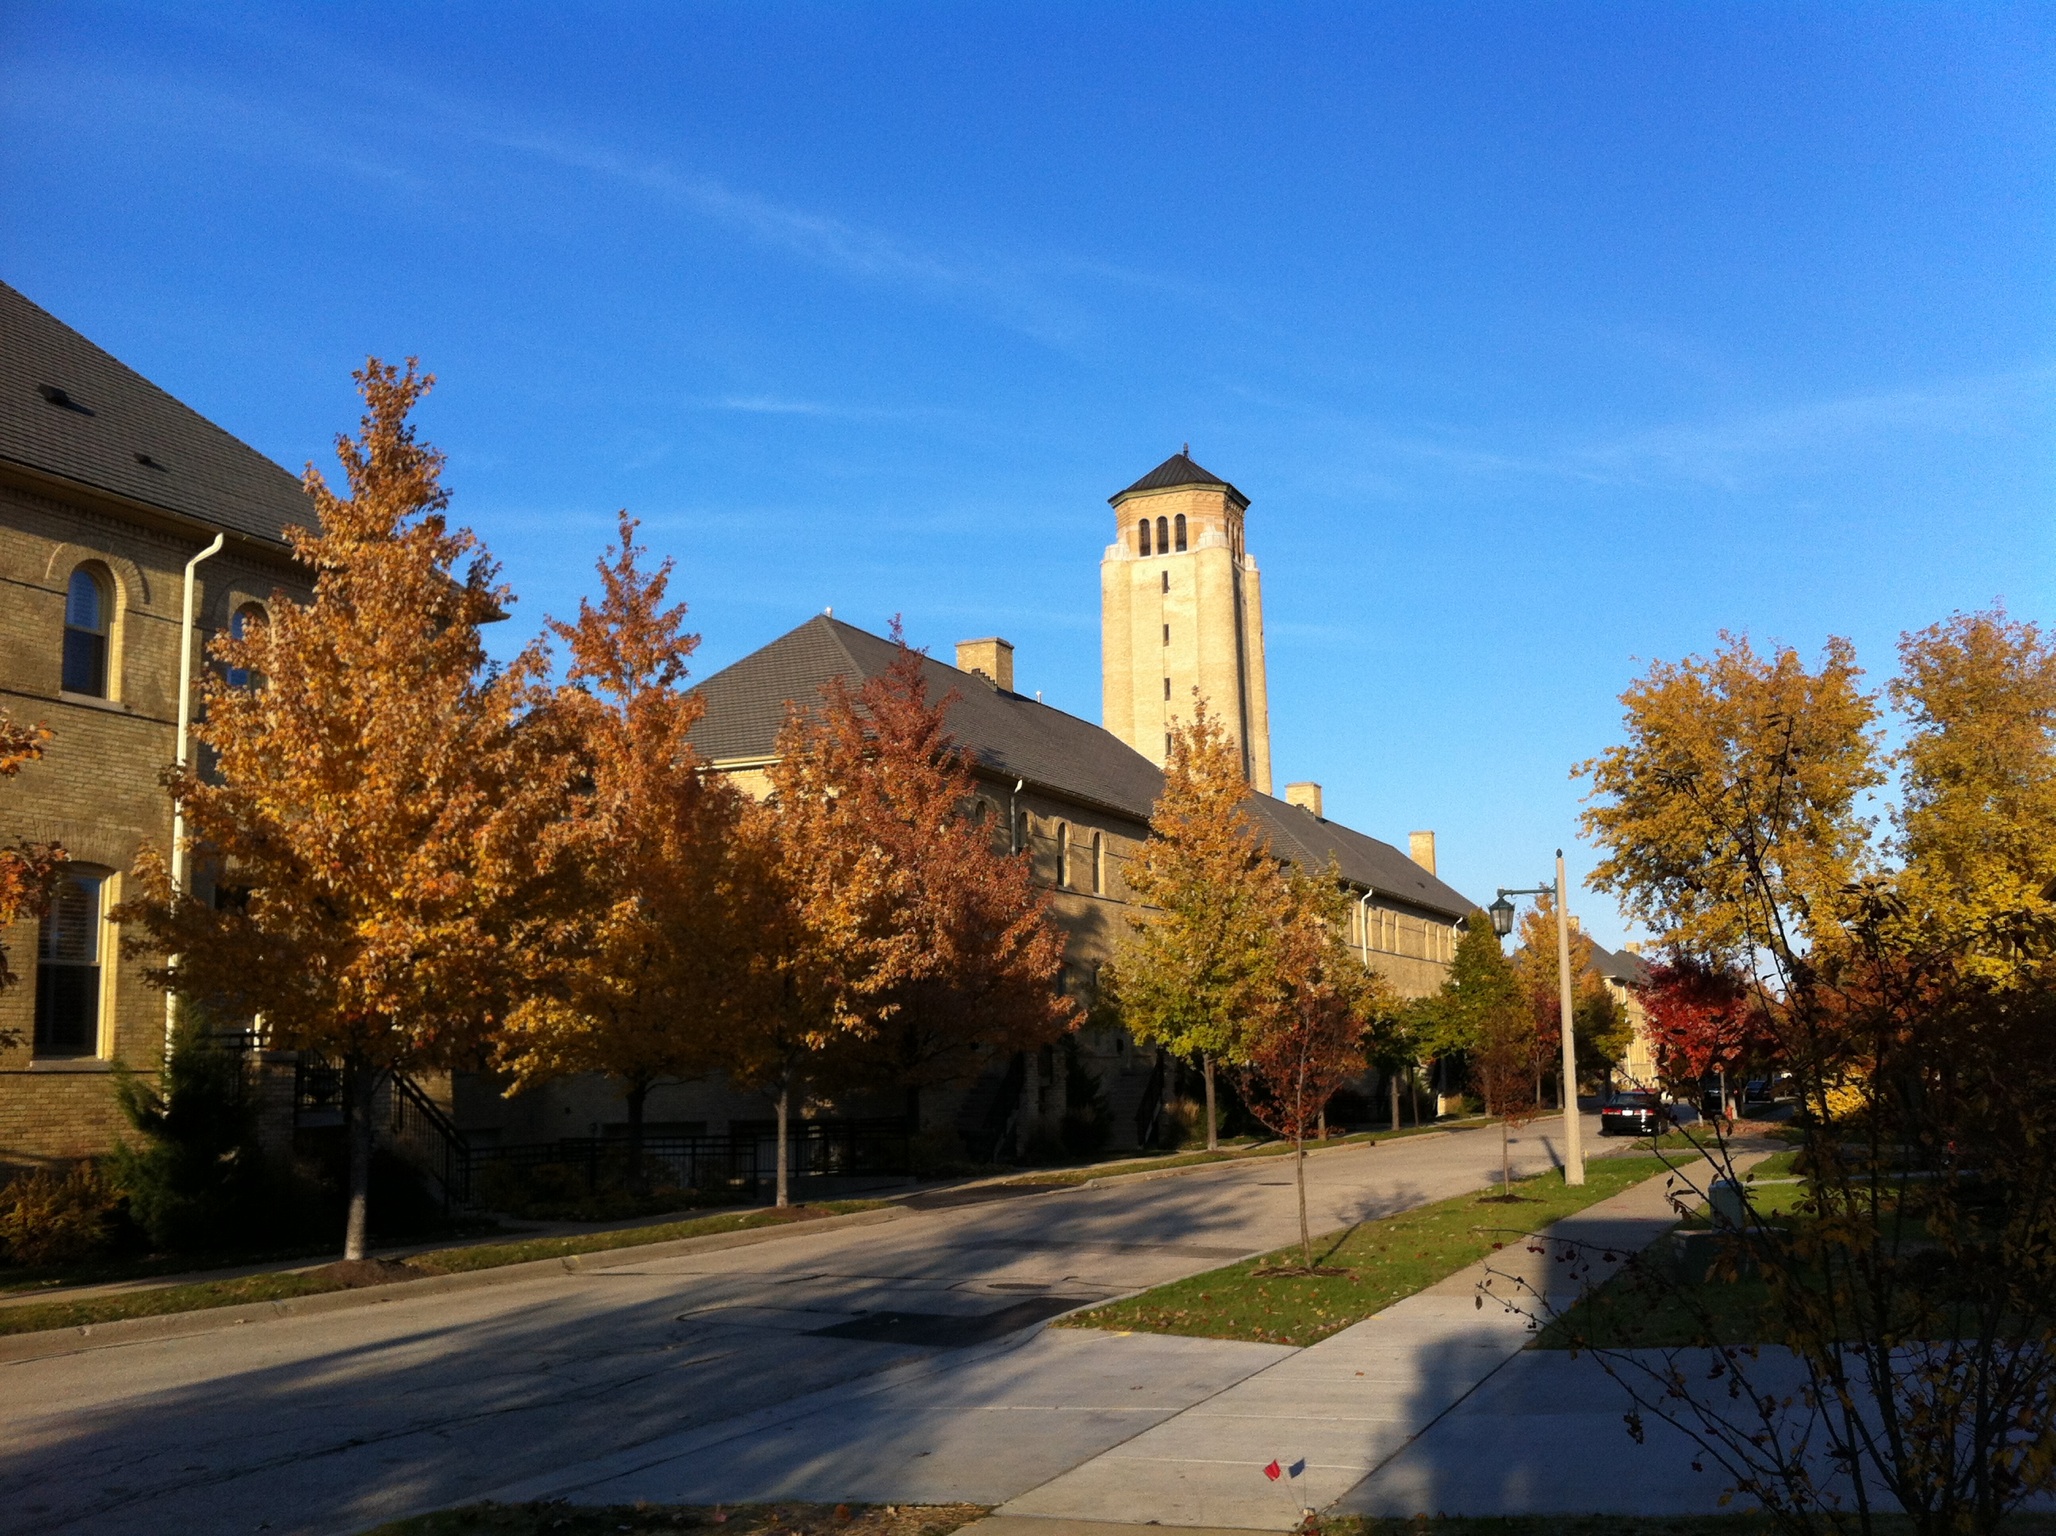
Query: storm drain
949	1330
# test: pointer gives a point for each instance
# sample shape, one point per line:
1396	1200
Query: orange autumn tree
1600	1030
644	962
27	870
381	798
888	935
1313	1006
988	960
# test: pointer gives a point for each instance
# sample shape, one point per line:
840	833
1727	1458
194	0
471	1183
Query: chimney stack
991	658
1420	847
1306	796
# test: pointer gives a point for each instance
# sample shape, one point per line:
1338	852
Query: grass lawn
201	1295
1383	1262
1230	1152
554	1518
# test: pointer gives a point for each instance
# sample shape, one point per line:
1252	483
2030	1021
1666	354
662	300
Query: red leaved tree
1702	1018
1305	1036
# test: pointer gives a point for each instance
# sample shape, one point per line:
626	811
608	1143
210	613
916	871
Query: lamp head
1502	916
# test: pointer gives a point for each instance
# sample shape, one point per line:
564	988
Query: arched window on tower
1144	526
87	605
1163	536
1181	533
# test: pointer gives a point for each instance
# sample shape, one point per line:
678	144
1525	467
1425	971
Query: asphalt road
330	1424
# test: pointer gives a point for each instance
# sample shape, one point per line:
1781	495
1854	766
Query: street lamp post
1502	924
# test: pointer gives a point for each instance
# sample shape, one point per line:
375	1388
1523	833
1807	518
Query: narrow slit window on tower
1167	581
1167	634
1181	533
1167	688
1144	525
1167	743
1163	536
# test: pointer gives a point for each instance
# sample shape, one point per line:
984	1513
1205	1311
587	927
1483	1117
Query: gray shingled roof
116	419
1175	471
1624	967
1011	736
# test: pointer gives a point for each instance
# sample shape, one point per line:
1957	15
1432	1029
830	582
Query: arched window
1163	536
1144	526
68	969
1181	533
1063	856
1099	873
243	623
87	606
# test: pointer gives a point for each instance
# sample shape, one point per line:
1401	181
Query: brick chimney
1420	847
1306	796
992	659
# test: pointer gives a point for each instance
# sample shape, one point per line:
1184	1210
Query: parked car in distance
1632	1114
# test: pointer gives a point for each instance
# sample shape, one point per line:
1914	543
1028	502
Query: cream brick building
108	487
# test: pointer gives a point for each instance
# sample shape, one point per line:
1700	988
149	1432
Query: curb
46	1343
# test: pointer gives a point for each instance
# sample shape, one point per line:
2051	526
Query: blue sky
1546	340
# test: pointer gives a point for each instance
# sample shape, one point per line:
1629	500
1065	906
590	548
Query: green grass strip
1383	1260
205	1295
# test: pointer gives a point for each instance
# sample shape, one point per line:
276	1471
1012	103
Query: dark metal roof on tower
1175	471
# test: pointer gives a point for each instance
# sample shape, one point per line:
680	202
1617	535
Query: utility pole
1574	1133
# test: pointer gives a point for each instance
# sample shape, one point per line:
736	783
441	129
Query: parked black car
1632	1114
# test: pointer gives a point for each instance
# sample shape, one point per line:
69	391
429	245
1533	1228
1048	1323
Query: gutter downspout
185	720
1363	922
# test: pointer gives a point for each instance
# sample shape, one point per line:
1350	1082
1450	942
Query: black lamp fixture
1502	915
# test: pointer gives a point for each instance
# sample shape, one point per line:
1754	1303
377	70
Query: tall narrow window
1167	581
1163	536
1063	856
1181	533
1143	526
1167	634
1167	689
1099	877
86	608
242	624
68	970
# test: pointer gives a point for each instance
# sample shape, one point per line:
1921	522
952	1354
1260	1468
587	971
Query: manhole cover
943	1330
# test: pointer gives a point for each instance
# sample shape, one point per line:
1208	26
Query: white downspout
185	721
1363	922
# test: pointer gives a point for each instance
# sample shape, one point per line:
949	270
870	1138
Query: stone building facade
108	488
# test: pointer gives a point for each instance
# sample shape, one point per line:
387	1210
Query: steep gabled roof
70	410
1175	471
1624	966
1011	736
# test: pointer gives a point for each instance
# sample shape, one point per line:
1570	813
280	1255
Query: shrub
1087	1121
47	1220
198	1181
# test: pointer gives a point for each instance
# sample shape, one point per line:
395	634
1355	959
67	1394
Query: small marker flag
1274	1472
1296	1468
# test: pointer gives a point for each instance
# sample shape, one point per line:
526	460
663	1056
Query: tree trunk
784	1122
360	1090
1306	1241
1392	1082
1213	1137
1505	1161
638	1093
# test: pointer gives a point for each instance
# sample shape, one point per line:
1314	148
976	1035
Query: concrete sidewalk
1345	1407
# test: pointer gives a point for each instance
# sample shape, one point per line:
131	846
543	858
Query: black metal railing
742	1162
429	1138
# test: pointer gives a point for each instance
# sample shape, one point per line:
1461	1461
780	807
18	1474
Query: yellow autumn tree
1977	820
643	960
382	800
1730	818
1599	1025
1213	896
